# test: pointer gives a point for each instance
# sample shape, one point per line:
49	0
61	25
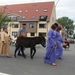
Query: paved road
21	66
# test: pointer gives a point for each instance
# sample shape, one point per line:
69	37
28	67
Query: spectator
4	49
14	40
66	44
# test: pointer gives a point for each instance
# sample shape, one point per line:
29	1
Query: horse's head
43	41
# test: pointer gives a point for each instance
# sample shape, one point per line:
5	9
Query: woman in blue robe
59	41
50	56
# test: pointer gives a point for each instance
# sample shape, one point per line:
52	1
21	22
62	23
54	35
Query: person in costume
4	43
50	56
59	41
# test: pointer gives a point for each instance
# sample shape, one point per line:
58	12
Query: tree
3	18
67	24
73	36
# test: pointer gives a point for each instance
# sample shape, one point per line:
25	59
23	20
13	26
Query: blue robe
50	51
59	49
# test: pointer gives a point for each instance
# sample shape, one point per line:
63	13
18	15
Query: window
26	10
23	17
33	17
14	33
45	10
37	10
43	34
31	25
42	25
20	11
14	18
43	18
9	12
34	4
9	18
14	25
32	34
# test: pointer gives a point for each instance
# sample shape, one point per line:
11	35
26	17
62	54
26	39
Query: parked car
70	40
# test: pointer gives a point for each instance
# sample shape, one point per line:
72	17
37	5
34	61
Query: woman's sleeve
50	37
2	36
61	39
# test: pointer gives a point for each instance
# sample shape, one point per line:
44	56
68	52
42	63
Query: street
21	66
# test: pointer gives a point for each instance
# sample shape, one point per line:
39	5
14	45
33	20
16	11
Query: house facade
38	18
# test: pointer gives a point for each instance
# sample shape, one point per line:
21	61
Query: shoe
9	57
60	58
56	57
54	64
45	61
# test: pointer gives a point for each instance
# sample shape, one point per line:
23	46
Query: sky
63	7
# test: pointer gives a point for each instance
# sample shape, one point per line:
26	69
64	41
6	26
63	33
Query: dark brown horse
29	42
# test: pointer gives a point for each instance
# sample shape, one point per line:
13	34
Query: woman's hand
4	42
55	44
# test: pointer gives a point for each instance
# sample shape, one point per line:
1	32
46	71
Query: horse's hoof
25	57
31	57
19	54
15	56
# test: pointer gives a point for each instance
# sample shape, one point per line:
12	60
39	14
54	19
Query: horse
29	42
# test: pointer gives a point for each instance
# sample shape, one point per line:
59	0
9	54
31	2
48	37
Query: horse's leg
16	49
22	50
34	52
31	51
19	54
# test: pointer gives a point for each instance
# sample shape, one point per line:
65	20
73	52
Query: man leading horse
22	32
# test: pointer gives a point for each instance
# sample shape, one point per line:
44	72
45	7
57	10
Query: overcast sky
63	7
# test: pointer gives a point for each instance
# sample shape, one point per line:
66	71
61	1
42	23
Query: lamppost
57	3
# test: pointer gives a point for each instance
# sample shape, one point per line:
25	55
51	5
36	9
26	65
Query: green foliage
67	24
73	36
3	18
